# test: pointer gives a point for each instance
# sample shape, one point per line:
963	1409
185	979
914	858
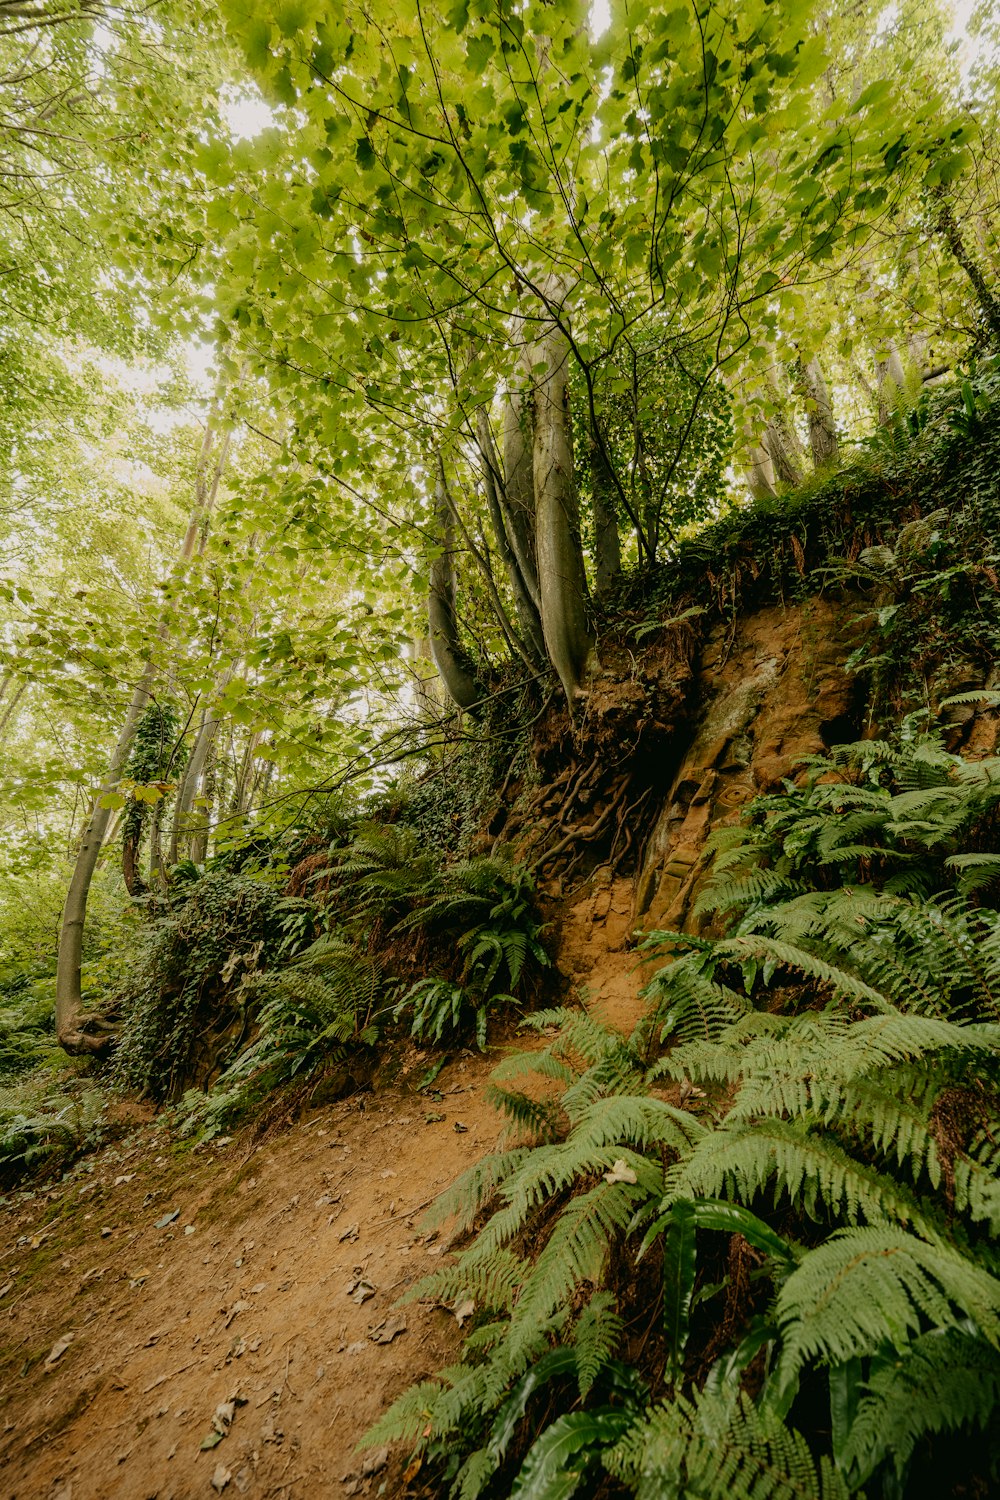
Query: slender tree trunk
519	487
244	779
989	305
10	708
822	428
561	576
76	1032
442	621
194	771
157	868
607	541
200	833
527	611
131	851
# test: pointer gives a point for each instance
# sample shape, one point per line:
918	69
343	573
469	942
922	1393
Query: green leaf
571	1440
679	1264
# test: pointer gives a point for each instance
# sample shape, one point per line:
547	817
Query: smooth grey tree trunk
519	486
75	1032
822	427
442	621
493	485
561	577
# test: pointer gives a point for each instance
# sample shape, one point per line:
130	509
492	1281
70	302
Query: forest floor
179	1322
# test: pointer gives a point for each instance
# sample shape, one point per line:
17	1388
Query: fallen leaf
620	1172
350	1233
222	1420
387	1330
234	1311
359	1290
221	1477
59	1349
461	1129
463	1310
433	1119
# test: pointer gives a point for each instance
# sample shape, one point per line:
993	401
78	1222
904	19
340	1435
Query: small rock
375	1462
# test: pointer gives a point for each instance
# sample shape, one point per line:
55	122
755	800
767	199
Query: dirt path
256	1292
249	1293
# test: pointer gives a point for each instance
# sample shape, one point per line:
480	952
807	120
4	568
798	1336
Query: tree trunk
890	380
607	541
76	1032
561	576
200	833
527	611
519	488
194	771
244	780
780	438
822	428
989	306
10	708
131	847
759	471
442	622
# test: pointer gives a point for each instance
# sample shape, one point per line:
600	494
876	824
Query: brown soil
245	1296
248	1294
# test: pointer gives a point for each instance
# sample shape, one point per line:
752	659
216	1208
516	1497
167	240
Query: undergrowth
751	1249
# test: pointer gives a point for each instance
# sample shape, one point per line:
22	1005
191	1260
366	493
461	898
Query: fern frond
469	1193
720	1445
741	1160
576	1253
946	1380
865	1288
492	1280
597	1335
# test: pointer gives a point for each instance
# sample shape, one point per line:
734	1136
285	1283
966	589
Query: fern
944	1381
596	1337
811	1169
866	1288
716	1446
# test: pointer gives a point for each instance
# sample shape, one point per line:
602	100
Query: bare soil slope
154	1299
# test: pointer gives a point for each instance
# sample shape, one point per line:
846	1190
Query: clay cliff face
759	696
767	694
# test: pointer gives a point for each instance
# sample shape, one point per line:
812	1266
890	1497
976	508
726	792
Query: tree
447	214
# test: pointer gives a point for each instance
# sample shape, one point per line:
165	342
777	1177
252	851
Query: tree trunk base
87	1036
